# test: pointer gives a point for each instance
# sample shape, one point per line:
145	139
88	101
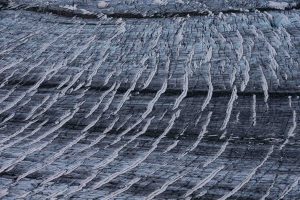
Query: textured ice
149	99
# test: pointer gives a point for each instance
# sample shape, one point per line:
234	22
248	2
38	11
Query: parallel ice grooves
149	107
23	41
291	131
71	168
120	191
157	96
239	49
185	82
217	155
156	58
179	36
249	177
268	190
126	96
28	152
264	84
7	95
17	132
101	136
151	75
7	118
110	100
290	188
34	109
229	108
13	103
81	49
82	117
97	65
109	159
51	159
8	78
68	171
103	95
82	184
172	146
36	54
58	126
200	136
203	182
11	65
210	89
50	103
246	75
142	158
143	131
60	64
164	186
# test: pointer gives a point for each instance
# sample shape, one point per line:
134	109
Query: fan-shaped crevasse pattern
202	107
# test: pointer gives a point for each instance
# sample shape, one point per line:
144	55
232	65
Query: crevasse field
150	99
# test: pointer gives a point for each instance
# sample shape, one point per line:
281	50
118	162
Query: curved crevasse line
249	176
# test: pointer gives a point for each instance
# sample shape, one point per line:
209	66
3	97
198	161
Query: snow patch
69	7
278	5
180	1
102	4
161	2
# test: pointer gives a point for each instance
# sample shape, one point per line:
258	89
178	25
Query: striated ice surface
156	100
